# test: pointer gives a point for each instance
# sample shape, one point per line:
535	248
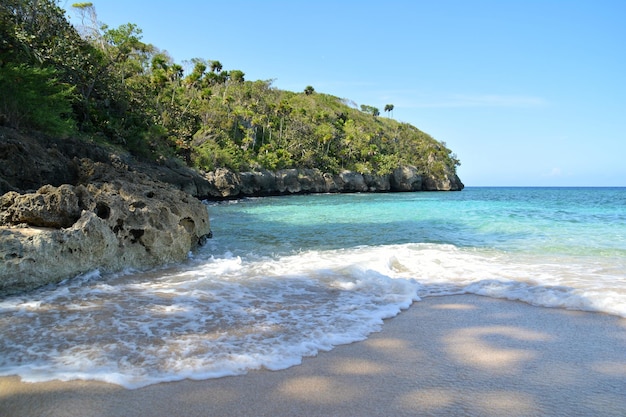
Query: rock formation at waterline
223	184
105	215
60	232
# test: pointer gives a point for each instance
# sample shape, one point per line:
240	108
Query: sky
524	92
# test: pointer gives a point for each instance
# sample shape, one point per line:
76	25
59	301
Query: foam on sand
451	355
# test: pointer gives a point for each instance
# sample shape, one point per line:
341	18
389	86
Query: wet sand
445	356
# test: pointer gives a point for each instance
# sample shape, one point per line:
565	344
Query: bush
34	98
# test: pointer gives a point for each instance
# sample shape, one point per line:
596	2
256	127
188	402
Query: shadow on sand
462	355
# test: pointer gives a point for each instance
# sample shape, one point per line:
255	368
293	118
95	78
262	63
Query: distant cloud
554	172
558	173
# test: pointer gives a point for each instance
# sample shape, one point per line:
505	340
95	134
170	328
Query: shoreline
449	355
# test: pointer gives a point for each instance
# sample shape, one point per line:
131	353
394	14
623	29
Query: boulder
60	232
377	183
351	182
50	206
405	178
312	181
224	183
174	172
258	183
288	181
330	183
445	183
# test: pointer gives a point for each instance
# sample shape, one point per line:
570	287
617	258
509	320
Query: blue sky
525	92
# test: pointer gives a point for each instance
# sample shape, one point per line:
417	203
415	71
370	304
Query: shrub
34	98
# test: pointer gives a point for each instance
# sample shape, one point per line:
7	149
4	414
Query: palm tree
389	108
216	66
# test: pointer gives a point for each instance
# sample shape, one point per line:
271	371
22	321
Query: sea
284	278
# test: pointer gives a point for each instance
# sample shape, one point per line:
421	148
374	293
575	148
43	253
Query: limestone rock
114	225
300	181
405	179
287	181
377	183
352	182
225	184
330	183
449	181
49	207
258	183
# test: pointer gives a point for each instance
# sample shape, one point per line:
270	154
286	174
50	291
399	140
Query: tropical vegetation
94	81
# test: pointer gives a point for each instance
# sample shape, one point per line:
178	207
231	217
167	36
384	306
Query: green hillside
107	83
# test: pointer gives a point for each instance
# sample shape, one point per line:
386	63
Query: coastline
451	355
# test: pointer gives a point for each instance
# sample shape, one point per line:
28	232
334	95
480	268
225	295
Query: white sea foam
224	315
220	317
577	283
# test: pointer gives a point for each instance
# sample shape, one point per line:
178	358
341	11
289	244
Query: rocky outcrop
405	179
30	161
60	232
448	181
225	184
67	207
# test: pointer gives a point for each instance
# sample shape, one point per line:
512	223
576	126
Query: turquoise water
575	221
286	277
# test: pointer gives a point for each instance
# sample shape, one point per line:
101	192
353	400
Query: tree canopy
102	81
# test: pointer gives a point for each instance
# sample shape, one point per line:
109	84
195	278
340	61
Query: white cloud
554	172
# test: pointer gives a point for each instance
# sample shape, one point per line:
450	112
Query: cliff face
226	184
28	162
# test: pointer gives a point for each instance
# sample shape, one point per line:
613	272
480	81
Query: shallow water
286	277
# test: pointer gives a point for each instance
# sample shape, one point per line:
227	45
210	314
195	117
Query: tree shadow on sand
451	355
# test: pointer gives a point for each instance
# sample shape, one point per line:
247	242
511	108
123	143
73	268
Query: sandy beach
445	356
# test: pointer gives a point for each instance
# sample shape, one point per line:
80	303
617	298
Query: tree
89	25
216	66
198	71
33	97
237	76
41	59
282	110
370	109
309	90
122	44
389	108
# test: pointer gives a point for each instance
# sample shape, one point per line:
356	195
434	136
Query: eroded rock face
60	232
226	184
28	162
68	206
258	183
449	181
405	179
48	207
